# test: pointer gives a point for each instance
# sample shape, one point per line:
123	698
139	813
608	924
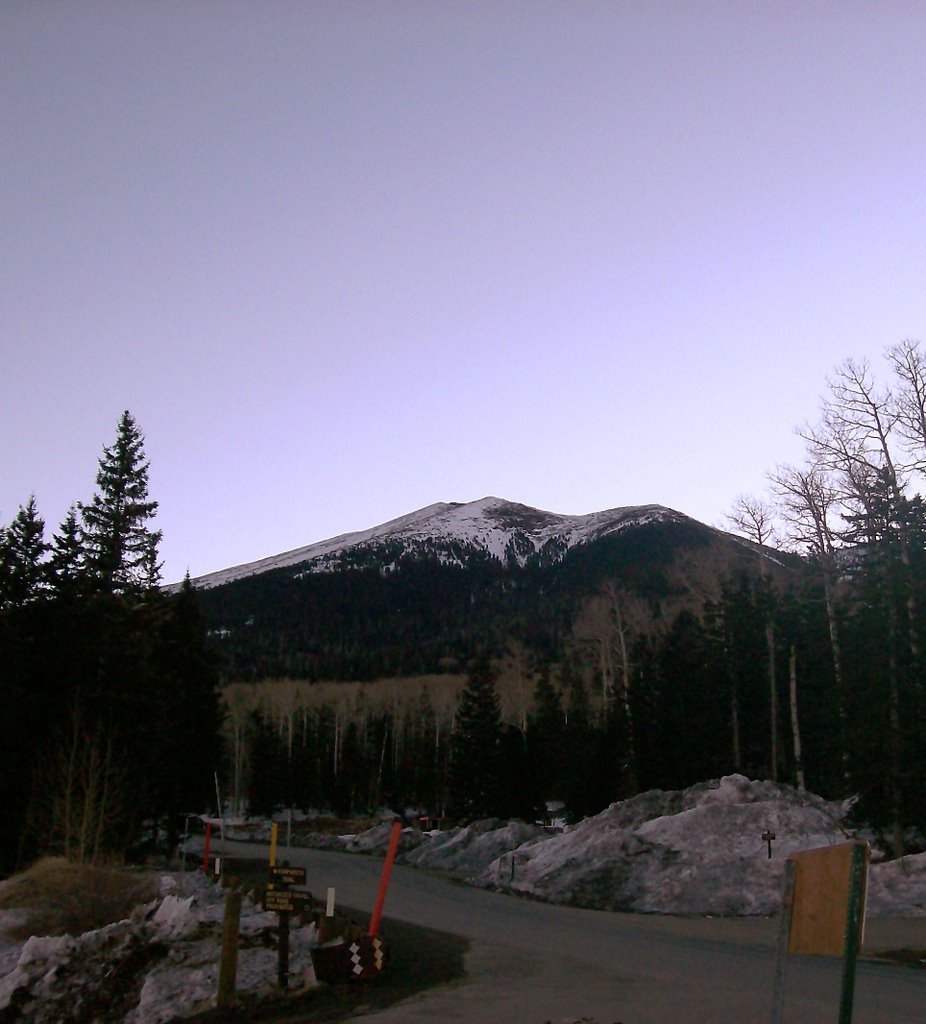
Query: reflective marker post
384	880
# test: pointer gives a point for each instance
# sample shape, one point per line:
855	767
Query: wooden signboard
821	902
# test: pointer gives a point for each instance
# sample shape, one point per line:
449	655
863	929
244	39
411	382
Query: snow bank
468	850
897	888
376	839
693	851
158	966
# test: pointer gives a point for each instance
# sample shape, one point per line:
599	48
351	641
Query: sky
345	259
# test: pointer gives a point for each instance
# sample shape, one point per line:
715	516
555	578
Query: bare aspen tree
910	401
854	438
594	630
858	437
808	501
754	518
81	802
795	721
627	612
516	684
237	705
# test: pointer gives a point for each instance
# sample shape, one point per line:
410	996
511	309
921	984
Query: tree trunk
896	753
836	652
795	724
773	694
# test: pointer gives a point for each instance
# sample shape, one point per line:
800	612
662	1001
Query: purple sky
342	260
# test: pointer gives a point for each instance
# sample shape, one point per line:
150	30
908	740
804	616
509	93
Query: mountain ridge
497	527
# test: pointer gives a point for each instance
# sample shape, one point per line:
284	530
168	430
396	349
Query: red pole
384	880
206	847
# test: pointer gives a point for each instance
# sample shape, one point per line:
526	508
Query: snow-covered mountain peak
504	530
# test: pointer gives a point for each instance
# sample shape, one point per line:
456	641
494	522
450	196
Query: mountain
422	592
454	532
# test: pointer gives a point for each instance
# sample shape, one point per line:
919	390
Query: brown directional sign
287	876
286	900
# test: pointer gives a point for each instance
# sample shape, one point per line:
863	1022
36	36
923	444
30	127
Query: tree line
111	718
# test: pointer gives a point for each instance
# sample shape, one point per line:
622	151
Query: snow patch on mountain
500	529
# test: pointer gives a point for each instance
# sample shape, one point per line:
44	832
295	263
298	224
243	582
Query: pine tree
187	710
475	775
121	549
546	734
22	550
66	565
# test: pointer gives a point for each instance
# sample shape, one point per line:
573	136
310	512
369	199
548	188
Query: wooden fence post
228	964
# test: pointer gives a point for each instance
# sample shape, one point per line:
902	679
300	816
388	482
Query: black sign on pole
767	837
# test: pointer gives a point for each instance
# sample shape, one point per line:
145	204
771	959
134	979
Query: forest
111	711
659	658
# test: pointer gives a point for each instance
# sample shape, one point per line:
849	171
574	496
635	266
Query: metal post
283	965
781	950
384	879
853	930
218	800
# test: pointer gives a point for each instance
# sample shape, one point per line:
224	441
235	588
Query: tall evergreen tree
546	735
120	547
66	565
187	709
23	548
475	771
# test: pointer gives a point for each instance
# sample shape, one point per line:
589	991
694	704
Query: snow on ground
698	851
467	850
160	965
695	851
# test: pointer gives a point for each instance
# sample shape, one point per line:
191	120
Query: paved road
531	963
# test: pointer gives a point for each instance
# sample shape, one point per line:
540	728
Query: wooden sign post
823	914
285	900
228	962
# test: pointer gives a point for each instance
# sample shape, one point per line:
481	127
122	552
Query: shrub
69	899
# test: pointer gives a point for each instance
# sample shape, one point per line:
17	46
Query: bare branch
910	400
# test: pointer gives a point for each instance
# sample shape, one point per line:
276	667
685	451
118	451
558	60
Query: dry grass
332	826
69	899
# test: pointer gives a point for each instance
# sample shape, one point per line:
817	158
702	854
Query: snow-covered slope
498	528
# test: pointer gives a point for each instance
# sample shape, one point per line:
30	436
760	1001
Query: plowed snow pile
160	965
694	851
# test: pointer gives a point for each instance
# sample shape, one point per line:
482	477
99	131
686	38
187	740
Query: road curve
532	963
